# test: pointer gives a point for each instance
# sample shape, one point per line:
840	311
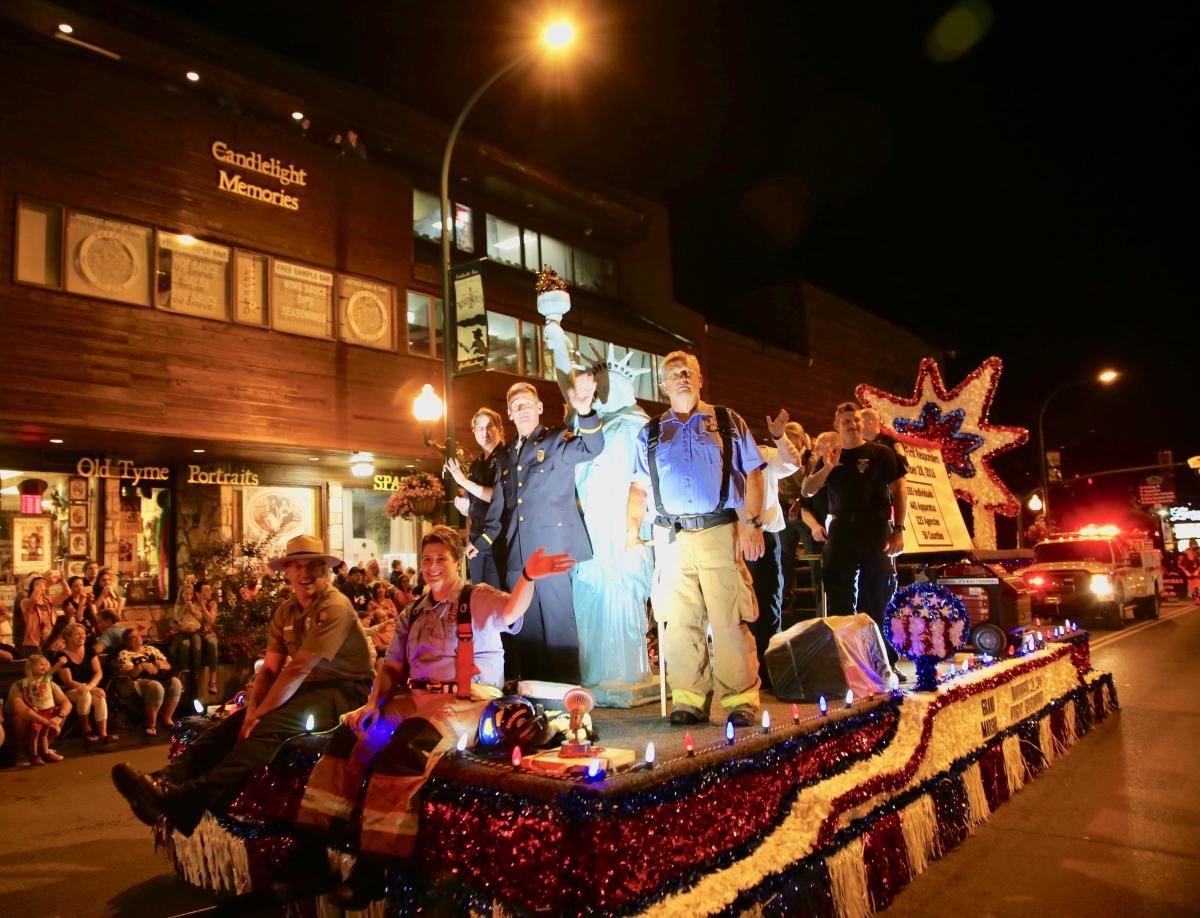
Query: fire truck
1098	573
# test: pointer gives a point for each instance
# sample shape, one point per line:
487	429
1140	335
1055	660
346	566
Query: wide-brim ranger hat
303	548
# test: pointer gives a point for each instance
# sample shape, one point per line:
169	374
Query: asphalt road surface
1113	828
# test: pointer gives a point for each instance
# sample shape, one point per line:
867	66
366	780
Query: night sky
1017	182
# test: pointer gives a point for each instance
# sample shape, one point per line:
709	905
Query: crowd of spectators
377	601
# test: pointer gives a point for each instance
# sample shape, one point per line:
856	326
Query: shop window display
372	535
142	532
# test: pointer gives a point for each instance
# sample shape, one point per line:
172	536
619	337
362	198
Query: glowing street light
559	34
427	407
1108	376
1035	502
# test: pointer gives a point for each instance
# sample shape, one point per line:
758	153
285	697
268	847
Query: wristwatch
897	527
755	522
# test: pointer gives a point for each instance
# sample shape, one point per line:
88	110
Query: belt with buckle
694	522
436	686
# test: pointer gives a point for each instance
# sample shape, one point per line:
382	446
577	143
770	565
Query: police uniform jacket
533	502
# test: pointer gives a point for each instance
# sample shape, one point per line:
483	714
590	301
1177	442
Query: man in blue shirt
696	465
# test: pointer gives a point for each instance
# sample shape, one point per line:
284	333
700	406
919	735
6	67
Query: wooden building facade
208	316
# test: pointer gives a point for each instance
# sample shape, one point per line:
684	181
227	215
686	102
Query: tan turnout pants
700	580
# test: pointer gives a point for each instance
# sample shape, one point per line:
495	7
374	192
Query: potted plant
418	495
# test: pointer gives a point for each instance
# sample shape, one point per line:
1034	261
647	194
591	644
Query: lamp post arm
449	336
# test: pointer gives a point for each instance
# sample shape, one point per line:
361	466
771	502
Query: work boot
137	789
744	715
367	882
684	715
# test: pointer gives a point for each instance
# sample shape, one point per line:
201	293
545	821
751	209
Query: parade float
825	808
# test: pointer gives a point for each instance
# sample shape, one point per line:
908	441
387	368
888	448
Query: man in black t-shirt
864	484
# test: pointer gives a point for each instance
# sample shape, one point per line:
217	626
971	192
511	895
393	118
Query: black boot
367	882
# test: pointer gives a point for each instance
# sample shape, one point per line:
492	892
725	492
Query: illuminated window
419	307
427	215
558	256
503	241
531	347
533	256
464	228
502	343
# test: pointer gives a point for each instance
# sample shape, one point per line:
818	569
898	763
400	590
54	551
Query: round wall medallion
108	262
366	314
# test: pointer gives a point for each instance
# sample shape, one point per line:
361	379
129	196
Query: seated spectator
109	633
91	573
381	612
78	671
39	708
80	605
373	572
194	646
404	593
105	590
355	589
38	614
8	650
152	680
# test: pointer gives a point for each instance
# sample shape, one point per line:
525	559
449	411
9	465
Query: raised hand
456	472
581	393
775	426
542	565
835	456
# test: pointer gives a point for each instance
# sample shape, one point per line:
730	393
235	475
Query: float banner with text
934	521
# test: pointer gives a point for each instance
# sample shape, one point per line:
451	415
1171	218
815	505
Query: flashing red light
1035	580
795	713
1011	650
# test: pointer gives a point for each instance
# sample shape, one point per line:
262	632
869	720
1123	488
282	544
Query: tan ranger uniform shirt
328	628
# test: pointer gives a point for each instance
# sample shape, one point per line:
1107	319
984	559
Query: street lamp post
557	35
1106	377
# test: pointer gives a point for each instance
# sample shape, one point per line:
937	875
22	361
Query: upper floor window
427	220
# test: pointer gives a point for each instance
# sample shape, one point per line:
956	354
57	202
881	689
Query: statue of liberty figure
610	590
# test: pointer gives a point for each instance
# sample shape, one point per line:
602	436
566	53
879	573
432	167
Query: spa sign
232	181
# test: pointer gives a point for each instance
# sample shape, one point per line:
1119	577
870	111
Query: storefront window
589	271
503	241
35	532
372	535
143	537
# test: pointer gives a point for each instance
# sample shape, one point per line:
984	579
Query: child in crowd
8	650
39	707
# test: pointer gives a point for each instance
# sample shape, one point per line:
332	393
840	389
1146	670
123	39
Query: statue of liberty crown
620	367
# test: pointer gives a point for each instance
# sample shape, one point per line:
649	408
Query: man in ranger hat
317	664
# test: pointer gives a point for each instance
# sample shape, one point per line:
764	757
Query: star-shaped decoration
967	442
944	429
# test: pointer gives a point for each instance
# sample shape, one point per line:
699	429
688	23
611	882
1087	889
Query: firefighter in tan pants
696	465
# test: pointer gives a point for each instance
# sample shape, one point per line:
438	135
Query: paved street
1113	828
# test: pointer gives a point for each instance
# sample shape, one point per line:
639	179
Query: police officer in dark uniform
534	505
486	562
868	505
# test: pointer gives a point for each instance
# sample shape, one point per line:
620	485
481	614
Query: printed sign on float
934	521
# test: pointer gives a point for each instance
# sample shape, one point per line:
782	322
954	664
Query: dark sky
1030	196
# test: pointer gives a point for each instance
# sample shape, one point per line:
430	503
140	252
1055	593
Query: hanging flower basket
418	495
